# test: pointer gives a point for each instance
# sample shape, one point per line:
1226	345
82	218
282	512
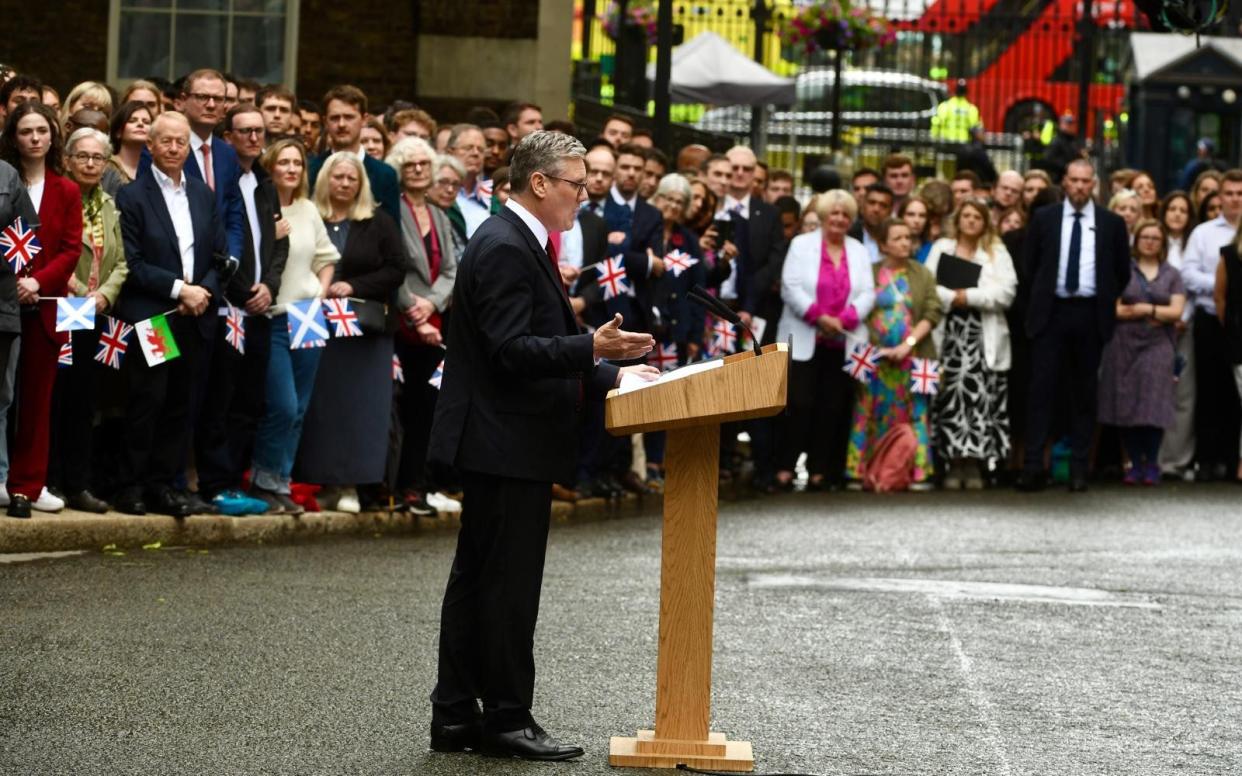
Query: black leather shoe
530	743
129	501
455	738
169	502
1030	482
197	505
85	501
19	506
1078	485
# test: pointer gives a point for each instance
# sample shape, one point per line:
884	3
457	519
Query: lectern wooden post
691	410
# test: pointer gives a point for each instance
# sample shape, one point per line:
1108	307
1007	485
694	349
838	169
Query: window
169	38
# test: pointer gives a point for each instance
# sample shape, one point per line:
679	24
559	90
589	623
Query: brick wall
62	48
372	44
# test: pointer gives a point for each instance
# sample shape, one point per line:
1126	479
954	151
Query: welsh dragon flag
156	339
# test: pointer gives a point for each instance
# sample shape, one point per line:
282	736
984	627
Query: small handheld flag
75	313
861	361
306	325
678	262
235	329
664	357
20	244
612	277
724	337
398	374
65	357
925	376
342	317
156	340
112	342
437	376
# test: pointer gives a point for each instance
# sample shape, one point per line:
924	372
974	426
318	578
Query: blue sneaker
235	503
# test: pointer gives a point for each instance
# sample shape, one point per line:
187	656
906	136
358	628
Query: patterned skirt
971	412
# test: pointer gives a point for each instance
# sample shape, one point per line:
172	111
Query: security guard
954	117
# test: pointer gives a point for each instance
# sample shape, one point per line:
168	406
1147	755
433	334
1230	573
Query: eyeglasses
417	163
252	131
203	99
580	185
448	183
84	158
744	167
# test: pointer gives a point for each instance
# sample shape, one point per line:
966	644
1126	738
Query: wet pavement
988	633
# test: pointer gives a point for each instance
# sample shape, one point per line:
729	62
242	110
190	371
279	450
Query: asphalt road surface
985	633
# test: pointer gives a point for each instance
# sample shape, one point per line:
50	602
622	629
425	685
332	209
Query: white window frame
292	13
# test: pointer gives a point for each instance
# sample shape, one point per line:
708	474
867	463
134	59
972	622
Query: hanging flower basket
837	25
638	13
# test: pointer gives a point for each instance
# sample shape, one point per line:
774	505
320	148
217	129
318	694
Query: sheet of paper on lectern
631	382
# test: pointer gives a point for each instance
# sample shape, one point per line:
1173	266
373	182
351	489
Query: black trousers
1216	396
232	406
821	400
1070	339
157	411
73	413
417	404
487	621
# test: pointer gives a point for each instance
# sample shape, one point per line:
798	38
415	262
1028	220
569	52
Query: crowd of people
272	276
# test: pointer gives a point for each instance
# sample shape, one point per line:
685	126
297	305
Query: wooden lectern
691	410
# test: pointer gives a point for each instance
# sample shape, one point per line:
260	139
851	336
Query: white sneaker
4	494
47	503
443	503
348	501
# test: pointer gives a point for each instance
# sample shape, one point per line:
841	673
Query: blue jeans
7	387
290	379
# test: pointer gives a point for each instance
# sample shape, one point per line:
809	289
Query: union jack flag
20	244
862	361
398	374
235	329
925	376
612	277
342	317
437	376
112	342
664	357
65	358
678	262
724	338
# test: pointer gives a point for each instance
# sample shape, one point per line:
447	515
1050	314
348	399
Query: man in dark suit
633	227
345	108
171	235
1077	263
236	380
507	419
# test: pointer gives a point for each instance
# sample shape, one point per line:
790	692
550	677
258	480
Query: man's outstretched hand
615	344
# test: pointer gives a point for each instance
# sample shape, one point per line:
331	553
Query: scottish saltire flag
678	262
306	325
112	342
861	361
612	277
65	357
156	340
398	374
437	376
724	337
664	357
235	328
342	317
925	376
75	313
20	244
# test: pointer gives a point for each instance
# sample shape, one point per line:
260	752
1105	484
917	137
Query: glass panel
202	5
259	6
200	42
143	45
259	48
126	4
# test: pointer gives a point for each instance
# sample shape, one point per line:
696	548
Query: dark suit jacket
594	250
226	171
385	187
681	321
14	202
60	234
373	261
516	368
272	254
152	254
763	265
643	230
1043	256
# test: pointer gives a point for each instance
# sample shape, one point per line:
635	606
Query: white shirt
728	289
1200	258
196	146
178	203
472	210
248	183
533	224
620	200
872	246
571	246
1086	254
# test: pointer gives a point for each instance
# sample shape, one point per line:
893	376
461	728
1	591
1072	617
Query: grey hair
541	151
674	183
406	149
448	160
87	132
459	130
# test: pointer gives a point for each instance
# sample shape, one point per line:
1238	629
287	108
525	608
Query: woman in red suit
32	144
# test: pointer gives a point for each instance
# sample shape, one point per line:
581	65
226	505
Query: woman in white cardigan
828	290
971	416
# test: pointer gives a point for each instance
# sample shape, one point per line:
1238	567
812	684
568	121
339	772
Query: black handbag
372	315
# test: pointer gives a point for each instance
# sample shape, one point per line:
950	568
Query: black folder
955	272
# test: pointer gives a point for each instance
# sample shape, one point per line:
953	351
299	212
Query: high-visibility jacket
953	120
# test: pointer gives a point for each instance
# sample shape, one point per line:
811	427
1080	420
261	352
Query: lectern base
647	751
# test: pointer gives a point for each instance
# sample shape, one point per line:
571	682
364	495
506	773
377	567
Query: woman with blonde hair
971	415
1127	204
90	95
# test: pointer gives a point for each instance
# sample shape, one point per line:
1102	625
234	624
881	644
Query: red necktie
208	177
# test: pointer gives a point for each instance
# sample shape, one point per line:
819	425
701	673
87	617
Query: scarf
93	228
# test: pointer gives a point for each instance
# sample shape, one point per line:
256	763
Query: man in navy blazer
171	236
345	108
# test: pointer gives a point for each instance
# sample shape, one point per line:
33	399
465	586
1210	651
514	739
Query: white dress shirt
872	246
728	289
248	183
473	210
1200	258
196	147
1086	255
571	246
620	200
178	203
533	224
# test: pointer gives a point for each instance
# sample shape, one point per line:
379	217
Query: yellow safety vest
953	120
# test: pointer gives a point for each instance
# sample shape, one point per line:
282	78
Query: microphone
722	311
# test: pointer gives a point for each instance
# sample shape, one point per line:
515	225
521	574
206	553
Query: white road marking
26	557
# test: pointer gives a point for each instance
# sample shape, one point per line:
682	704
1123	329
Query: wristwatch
911	341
